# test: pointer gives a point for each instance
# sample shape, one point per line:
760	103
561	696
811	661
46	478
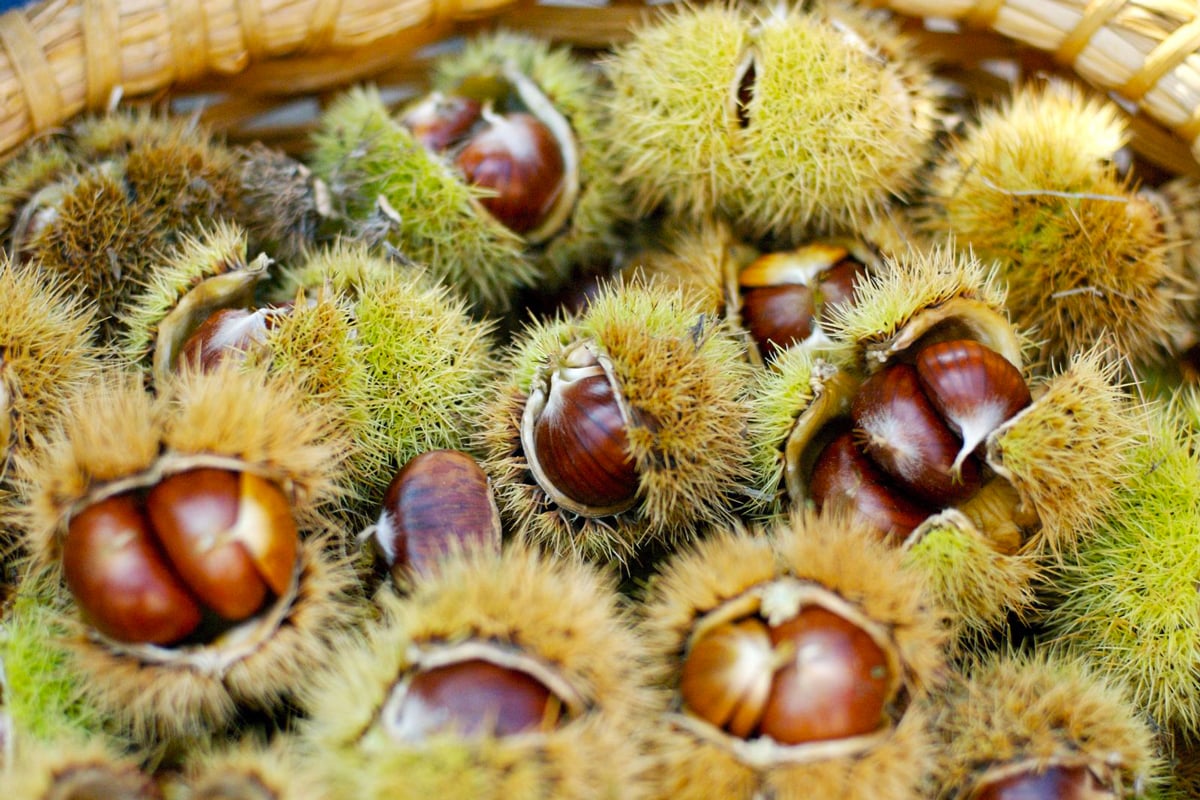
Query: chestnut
1056	782
901	431
835	682
225	332
974	388
726	675
517	159
123	585
437	501
439	121
204	541
785	295
473	697
843	477
576	441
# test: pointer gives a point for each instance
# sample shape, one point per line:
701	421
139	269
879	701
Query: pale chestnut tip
974	388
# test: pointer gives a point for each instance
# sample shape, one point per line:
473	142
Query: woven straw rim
59	58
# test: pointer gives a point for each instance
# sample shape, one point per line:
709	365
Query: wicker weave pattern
1143	50
60	57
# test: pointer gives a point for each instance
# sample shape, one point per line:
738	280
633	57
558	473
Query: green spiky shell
694	257
564	614
395	354
249	769
364	154
778	397
47	337
71	767
1031	186
213	251
978	585
137	183
1041	708
673	364
576	90
839	120
848	560
1127	599
1068	453
41	694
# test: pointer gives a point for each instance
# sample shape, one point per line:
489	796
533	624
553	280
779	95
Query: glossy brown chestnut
439	121
973	387
844	478
835	683
474	698
438	501
195	515
517	158
727	673
579	439
227	332
120	580
778	316
1053	783
836	286
900	430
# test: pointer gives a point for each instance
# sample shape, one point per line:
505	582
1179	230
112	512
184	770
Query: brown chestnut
778	317
974	388
899	429
1055	782
438	121
576	441
516	157
224	333
844	478
439	500
835	682
232	567
474	698
837	286
123	585
726	675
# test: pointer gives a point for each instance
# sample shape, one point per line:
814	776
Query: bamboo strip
61	57
1142	50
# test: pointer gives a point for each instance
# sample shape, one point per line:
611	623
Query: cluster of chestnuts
915	427
309	505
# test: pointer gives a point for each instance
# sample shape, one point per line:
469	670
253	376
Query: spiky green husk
1083	255
1068	453
48	352
364	154
41	693
564	614
850	561
673	364
250	769
138	184
1128	596
910	283
778	396
839	120
74	767
697	258
577	92
396	355
1043	708
212	251
977	585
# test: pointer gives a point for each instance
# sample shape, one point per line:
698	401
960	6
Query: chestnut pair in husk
795	660
190	530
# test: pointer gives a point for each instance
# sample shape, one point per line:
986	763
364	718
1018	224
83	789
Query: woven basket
242	62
